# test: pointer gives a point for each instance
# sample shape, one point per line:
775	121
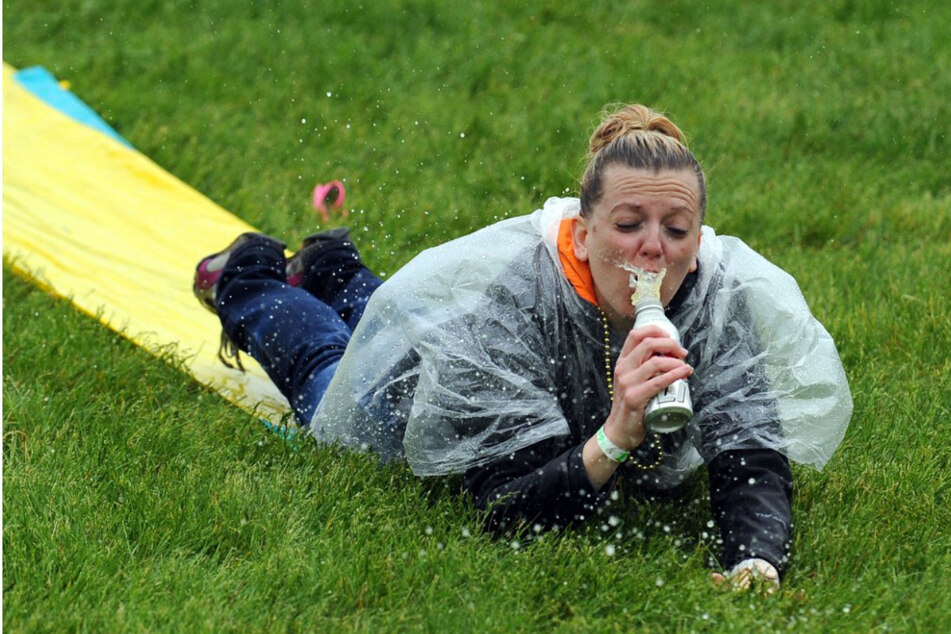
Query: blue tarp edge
43	85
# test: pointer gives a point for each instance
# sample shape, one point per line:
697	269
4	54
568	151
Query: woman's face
646	220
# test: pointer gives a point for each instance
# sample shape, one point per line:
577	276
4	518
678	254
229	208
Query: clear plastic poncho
480	347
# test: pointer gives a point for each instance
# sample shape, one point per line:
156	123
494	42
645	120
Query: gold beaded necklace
609	375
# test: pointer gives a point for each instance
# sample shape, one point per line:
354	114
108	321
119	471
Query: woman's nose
651	246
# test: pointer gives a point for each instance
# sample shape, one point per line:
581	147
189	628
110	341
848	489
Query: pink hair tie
336	193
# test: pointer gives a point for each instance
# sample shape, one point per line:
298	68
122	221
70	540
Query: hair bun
632	119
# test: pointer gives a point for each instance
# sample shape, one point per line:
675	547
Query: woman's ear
696	257
579	236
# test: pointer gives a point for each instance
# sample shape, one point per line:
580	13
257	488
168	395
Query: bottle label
676	392
670	410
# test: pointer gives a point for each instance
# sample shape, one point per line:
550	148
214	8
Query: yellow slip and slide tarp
98	223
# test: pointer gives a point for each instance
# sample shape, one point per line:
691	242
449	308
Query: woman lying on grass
501	355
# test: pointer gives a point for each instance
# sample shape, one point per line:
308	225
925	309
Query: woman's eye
628	226
677	232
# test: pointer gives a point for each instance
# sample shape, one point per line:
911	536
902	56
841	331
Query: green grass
134	499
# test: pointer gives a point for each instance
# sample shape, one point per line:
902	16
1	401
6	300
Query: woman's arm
543	485
649	362
751	497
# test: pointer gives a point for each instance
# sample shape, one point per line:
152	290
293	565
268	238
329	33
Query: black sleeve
529	486
751	495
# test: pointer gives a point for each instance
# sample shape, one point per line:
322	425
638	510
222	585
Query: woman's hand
753	573
650	360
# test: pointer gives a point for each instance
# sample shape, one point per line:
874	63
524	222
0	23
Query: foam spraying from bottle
646	284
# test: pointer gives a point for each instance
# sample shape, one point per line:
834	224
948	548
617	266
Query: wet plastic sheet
95	221
480	347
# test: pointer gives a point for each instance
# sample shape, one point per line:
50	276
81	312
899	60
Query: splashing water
646	284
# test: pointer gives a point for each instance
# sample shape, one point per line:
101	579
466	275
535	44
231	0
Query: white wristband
609	449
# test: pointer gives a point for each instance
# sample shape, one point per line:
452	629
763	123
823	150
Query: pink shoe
315	246
205	287
208	271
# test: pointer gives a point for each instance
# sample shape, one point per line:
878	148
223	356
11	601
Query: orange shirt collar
577	272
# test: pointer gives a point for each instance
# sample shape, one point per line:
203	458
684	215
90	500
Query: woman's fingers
638	386
643	343
651	367
636	336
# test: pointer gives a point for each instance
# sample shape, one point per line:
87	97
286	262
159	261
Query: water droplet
609	550
659	582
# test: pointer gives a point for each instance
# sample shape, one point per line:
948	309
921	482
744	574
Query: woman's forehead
634	187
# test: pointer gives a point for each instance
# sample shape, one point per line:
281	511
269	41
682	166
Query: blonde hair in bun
631	119
636	136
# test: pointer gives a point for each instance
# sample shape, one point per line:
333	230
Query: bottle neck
651	311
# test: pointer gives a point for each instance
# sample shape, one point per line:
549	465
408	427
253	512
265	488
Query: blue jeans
297	336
